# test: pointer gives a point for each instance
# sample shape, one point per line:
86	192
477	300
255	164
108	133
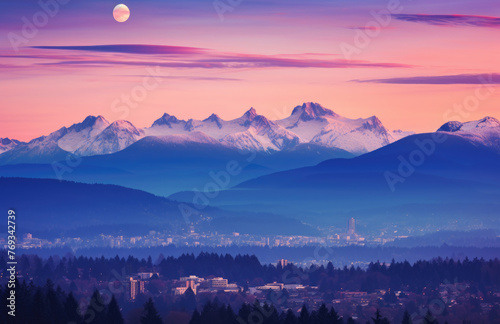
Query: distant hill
167	164
50	208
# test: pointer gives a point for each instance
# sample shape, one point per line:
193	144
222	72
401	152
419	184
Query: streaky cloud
233	64
130	49
193	57
451	20
483	78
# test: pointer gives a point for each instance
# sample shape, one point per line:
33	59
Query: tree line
246	270
49	305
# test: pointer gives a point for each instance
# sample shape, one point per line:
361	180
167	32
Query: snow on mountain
117	136
272	135
39	150
308	123
245	141
215	119
194	137
318	125
248	132
82	133
167	120
57	144
485	131
7	144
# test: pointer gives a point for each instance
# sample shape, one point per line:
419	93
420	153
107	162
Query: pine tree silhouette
96	312
149	314
196	318
406	318
304	315
71	310
114	316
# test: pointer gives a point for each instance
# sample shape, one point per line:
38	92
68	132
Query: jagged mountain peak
7	144
373	123
311	110
309	123
7	141
167	120
247	117
213	118
117	136
89	121
250	114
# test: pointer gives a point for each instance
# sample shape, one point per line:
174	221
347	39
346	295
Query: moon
121	13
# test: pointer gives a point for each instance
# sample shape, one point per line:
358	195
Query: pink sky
270	55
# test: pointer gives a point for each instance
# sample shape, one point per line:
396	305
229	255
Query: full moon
121	13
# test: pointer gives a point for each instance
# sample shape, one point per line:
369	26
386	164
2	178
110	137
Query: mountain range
447	179
309	167
309	123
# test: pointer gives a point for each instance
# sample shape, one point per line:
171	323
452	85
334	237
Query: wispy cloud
484	78
234	64
184	57
451	20
184	77
370	28
130	49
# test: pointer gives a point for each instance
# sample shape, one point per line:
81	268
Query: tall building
351	226
283	263
136	287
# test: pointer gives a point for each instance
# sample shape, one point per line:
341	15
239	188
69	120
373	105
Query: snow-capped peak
451	126
308	123
214	119
123	125
485	131
486	122
7	144
455	126
374	124
117	136
312	110
167	120
247	117
72	138
8	141
89	121
250	114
